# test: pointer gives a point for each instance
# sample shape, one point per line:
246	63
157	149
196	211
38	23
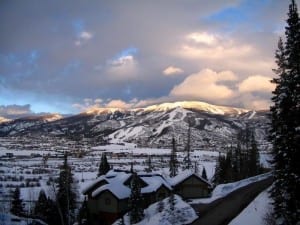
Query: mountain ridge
212	127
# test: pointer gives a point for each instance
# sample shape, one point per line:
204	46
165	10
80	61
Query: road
223	210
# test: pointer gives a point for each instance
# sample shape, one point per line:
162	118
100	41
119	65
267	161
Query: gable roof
183	176
116	182
154	182
89	186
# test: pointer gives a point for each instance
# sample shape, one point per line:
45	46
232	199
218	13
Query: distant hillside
212	127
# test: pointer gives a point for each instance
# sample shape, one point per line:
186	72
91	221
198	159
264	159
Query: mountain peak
100	110
197	105
3	119
190	105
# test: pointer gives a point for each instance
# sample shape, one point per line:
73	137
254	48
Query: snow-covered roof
115	183
154	183
183	176
89	185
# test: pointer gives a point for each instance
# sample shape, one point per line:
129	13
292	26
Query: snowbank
7	218
183	214
224	189
255	212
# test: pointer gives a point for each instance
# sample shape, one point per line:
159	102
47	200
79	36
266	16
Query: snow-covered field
255	212
28	168
32	171
9	219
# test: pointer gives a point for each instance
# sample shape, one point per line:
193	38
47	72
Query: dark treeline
241	160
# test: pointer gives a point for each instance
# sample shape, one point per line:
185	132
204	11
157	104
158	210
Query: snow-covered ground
255	212
32	174
9	219
182	214
224	189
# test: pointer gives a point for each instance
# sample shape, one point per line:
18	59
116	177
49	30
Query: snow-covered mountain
3	119
212	127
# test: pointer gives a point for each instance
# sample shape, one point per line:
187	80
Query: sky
69	56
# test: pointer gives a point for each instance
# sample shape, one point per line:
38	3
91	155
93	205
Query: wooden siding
193	187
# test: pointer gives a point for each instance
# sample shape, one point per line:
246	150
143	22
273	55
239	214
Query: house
108	195
190	185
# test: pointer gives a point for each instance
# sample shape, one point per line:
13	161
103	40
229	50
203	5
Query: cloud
204	85
203	37
256	83
15	111
254	102
259	104
122	68
89	104
172	70
216	51
118	104
102	29
83	37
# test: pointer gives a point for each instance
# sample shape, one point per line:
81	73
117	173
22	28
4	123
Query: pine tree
104	166
17	206
220	170
204	175
66	195
135	200
187	159
285	133
149	165
53	216
172	202
173	217
160	206
83	213
173	160
254	164
41	206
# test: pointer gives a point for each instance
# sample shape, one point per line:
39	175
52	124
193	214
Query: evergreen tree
228	167
135	200
160	206
236	162
172	202
104	166
83	214
149	165
173	160
66	195
187	159
219	176
204	175
17	206
173	217
46	210
53	216
254	164
285	133
41	206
